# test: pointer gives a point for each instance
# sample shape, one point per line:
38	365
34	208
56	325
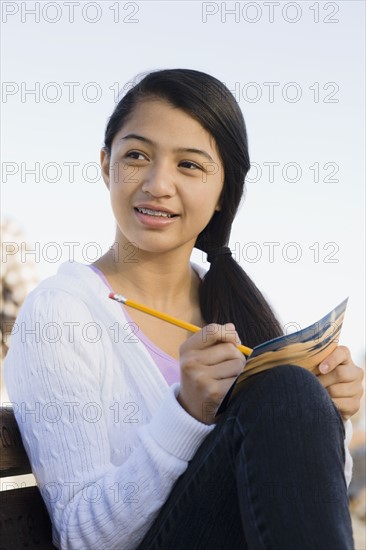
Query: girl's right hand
209	364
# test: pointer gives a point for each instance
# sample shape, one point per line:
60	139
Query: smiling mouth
156	213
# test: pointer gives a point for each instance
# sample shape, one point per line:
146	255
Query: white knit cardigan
105	433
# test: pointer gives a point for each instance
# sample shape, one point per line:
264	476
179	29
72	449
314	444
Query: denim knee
286	393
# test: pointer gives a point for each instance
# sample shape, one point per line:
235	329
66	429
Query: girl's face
162	161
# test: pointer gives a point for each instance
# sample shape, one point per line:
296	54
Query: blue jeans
270	476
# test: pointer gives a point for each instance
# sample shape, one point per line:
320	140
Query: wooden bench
24	520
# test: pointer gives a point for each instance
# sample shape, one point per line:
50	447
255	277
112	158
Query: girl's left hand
343	381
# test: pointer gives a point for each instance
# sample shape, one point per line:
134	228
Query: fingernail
323	368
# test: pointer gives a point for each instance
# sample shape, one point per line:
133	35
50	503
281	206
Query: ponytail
228	295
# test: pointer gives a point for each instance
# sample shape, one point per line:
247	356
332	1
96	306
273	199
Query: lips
154	218
155	210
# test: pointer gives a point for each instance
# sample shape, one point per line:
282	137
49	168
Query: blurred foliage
18	277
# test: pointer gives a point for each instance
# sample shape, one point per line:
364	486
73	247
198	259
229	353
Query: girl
116	408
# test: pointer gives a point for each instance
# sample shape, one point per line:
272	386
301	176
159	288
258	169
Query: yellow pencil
165	317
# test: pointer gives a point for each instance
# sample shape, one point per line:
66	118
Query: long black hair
226	293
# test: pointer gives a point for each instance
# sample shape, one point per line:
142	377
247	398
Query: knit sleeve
53	376
348	467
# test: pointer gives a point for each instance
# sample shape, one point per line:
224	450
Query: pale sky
296	69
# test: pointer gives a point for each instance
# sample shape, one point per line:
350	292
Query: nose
159	180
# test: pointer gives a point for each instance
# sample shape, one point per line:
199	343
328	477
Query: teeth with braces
154	212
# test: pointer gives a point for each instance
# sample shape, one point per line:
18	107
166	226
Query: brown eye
190	165
135	155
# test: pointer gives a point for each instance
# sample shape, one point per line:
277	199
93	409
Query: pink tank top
168	366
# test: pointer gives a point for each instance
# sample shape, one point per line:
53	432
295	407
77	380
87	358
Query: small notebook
305	348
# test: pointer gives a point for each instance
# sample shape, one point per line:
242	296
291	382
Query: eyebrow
180	150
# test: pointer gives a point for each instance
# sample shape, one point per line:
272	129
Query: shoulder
58	319
74	291
74	278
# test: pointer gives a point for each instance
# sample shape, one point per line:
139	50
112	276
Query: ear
104	163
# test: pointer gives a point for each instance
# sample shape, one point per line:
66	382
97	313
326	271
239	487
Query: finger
221	352
341	354
227	369
351	390
214	333
341	374
215	356
211	334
